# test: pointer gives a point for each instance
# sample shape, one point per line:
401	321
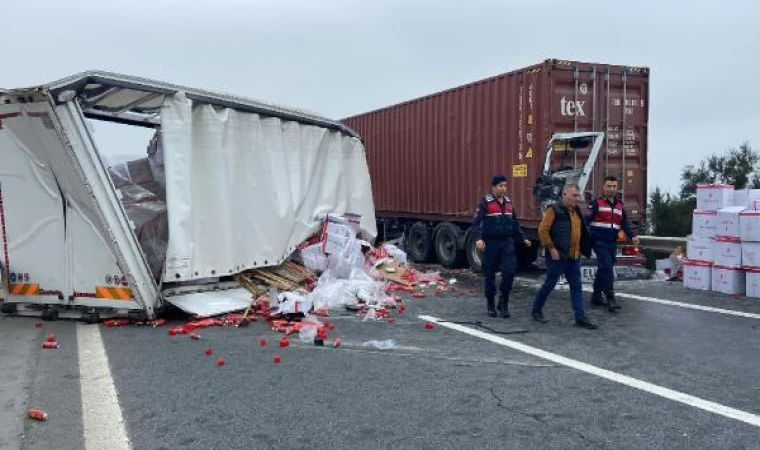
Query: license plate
588	273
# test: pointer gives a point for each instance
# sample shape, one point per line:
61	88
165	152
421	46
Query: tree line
670	214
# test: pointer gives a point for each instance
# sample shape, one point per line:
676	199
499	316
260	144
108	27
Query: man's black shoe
491	313
503	307
585	323
539	317
612	304
596	299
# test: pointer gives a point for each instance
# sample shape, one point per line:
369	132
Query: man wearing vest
606	218
495	230
564	235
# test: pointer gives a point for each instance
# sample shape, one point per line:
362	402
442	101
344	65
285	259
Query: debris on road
37	414
388	344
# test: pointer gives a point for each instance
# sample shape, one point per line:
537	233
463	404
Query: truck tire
473	255
447	237
420	242
49	314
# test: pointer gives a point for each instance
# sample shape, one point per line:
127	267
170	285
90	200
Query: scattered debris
429	325
277	359
209	351
387	344
37	414
220	361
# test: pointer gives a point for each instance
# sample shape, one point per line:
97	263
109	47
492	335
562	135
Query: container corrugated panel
433	157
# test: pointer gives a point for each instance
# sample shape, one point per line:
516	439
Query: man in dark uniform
606	218
496	230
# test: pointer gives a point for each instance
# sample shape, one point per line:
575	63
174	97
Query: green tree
738	167
671	215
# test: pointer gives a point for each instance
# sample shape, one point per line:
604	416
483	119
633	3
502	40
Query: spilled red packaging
37	414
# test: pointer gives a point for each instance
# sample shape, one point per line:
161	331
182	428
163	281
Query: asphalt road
438	388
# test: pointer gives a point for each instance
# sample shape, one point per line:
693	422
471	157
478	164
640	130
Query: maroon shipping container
432	158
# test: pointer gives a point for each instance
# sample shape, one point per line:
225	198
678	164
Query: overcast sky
344	57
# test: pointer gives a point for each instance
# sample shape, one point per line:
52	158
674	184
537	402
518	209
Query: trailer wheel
49	314
447	245
473	255
420	242
91	317
8	308
137	316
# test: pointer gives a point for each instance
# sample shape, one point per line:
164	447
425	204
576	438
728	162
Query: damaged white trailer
234	184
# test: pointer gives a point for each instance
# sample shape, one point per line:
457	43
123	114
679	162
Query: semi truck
432	158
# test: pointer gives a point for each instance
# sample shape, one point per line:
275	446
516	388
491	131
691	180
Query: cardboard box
727	252
700	249
697	275
712	197
749	226
746	197
704	223
751	254
728	222
752	282
728	280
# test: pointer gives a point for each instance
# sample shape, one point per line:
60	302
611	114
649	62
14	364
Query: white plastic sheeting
244	190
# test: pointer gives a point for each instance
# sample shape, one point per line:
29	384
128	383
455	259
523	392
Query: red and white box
700	249
728	280
727	252
697	275
712	197
728	222
749	226
746	197
751	254
704	223
752	281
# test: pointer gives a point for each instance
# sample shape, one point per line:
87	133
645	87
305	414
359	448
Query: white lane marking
730	312
101	413
706	405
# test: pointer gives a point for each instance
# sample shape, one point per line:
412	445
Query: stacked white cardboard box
723	252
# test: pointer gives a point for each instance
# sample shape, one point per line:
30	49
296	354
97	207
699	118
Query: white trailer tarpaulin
244	190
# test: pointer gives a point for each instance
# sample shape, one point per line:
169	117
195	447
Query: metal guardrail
660	244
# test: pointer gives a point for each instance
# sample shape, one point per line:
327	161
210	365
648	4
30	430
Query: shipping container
432	158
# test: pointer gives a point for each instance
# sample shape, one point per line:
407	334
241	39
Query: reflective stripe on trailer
8	116
24	289
114	293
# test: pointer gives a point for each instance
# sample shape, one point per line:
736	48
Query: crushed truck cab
241	184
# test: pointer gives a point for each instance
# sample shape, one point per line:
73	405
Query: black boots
491	307
596	298
612	305
503	306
